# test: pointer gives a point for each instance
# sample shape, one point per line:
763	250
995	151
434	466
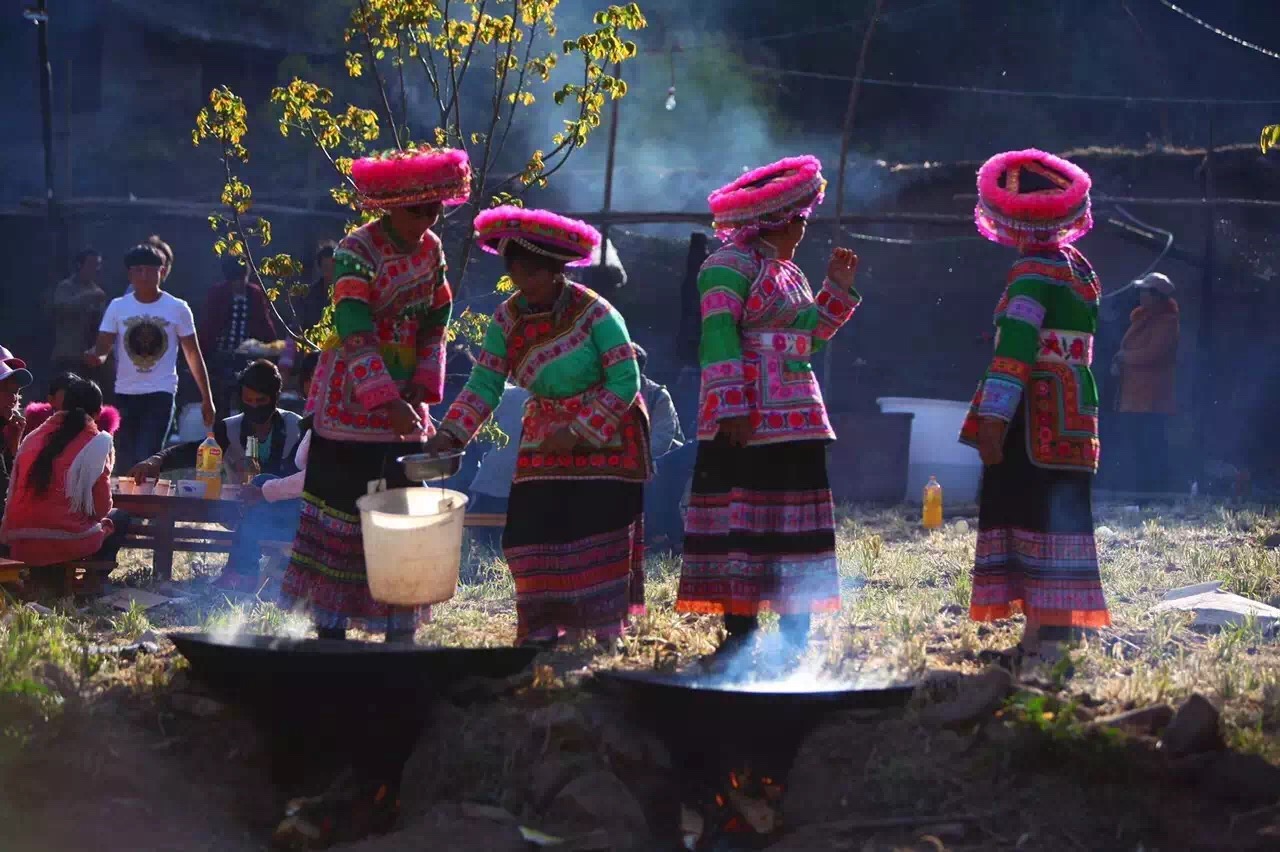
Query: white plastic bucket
936	449
413	544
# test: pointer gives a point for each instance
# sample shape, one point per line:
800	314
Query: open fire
744	813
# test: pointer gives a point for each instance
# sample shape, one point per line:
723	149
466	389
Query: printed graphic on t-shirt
146	339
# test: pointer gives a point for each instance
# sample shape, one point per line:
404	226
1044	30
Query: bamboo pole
608	170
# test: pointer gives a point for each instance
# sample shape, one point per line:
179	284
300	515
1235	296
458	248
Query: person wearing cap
574	539
1146	366
760	529
1034	417
14	377
146	327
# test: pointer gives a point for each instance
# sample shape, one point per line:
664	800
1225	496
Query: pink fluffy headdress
422	176
767	197
539	231
1013	215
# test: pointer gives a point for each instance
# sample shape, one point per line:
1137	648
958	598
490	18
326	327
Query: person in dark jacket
237	310
279	434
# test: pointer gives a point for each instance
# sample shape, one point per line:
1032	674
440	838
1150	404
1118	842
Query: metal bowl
431	467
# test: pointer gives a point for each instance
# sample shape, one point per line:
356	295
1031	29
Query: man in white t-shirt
146	327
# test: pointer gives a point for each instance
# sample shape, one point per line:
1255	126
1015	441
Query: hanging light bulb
671	99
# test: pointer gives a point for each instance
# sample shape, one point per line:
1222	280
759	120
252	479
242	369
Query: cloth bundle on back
1034	418
574	538
760	530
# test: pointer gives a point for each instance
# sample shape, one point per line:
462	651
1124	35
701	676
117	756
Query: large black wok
244	664
712	723
324	703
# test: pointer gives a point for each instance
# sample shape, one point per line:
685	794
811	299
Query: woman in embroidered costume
370	392
1034	419
760	530
369	397
574	538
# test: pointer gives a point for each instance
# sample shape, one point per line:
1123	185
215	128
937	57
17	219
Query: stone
149	637
1143	721
952	610
1247	779
599	800
552	773
1272	542
634	746
976	700
457	827
1194	729
200	706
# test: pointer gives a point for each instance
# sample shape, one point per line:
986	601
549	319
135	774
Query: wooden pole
39	15
1205	391
846	134
608	170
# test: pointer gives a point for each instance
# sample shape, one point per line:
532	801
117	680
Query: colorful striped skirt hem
760	532
326	575
575	549
1036	553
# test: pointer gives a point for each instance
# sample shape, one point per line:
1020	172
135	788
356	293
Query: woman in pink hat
1034	418
574	539
760	530
371	389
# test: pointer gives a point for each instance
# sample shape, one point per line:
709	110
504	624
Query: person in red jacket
236	310
108	420
59	507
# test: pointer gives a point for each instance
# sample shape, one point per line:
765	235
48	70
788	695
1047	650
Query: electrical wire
1141	226
1219	32
1016	93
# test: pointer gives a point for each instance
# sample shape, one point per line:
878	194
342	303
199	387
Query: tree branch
377	75
404	92
511	113
248	252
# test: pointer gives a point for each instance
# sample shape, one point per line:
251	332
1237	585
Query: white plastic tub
412	544
936	449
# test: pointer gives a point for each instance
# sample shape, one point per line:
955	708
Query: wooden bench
84	577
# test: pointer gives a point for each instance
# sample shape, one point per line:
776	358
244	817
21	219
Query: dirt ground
126	752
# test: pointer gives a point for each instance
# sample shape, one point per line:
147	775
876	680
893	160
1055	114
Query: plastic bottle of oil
209	467
932	505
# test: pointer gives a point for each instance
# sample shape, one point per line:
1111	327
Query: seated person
38	412
276	521
14	376
59	507
279	435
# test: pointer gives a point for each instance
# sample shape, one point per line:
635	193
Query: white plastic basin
936	449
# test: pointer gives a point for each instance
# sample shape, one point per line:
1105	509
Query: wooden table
164	537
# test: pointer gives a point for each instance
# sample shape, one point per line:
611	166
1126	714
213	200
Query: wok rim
672	682
315	647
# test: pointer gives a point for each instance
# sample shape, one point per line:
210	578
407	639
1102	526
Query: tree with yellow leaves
505	50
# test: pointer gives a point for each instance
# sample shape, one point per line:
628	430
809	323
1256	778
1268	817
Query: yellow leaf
1270	137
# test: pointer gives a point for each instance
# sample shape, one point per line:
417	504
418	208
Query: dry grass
905	593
